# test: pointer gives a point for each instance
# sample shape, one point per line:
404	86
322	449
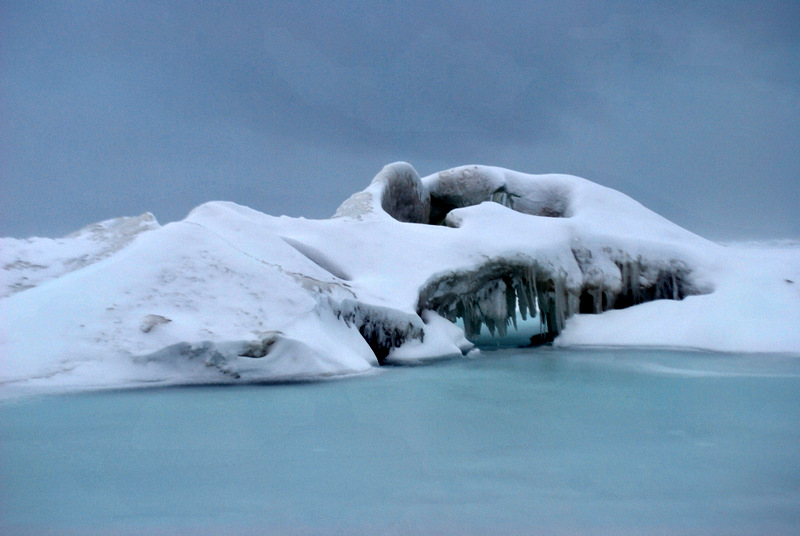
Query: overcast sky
118	108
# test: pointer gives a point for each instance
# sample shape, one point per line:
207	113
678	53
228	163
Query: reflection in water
514	442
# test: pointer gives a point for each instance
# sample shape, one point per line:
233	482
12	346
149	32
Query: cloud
436	92
115	108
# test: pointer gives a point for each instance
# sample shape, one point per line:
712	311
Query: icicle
532	291
470	320
560	304
490	324
625	279
674	287
474	318
573	303
466	316
498	312
511	305
501	198
521	297
635	284
543	308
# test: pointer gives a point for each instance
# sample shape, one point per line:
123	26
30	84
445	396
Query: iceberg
406	270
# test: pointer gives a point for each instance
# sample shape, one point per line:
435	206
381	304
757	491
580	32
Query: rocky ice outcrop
397	190
231	294
471	185
405	197
494	293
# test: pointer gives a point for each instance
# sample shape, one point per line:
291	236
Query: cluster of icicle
494	301
495	293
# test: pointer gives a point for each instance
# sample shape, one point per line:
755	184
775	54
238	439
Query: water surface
538	441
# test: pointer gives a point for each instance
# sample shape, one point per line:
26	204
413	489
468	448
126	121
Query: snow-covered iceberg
230	294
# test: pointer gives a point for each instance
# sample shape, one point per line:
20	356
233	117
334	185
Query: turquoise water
539	441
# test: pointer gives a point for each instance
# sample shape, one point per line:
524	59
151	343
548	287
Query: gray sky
117	108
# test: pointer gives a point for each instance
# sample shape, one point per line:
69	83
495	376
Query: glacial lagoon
515	441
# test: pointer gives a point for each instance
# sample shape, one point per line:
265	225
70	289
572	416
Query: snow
230	294
31	262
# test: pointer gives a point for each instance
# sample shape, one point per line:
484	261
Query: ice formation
231	294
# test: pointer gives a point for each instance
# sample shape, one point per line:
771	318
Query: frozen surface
231	295
544	441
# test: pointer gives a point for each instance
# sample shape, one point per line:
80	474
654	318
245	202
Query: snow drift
230	294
